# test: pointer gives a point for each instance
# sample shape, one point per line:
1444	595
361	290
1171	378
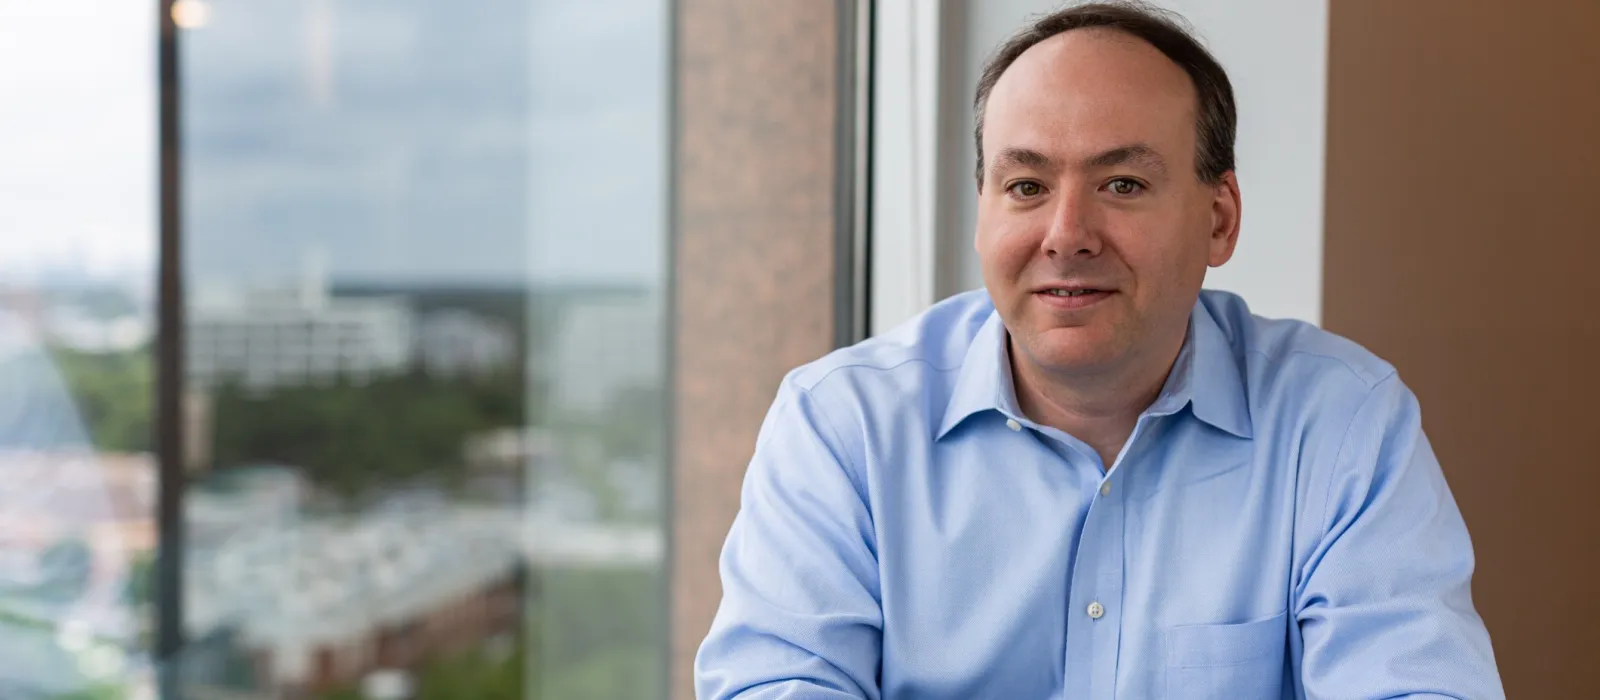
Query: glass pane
77	281
425	254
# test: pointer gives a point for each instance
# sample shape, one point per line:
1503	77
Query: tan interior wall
757	94
1463	241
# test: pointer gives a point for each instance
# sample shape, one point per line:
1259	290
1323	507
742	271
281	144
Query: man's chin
1072	350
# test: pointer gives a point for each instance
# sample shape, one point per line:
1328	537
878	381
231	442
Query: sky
77	138
402	141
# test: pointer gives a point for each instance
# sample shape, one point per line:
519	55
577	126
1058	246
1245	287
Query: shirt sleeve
1385	601
800	617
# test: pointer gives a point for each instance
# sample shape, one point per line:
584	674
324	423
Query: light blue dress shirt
1277	526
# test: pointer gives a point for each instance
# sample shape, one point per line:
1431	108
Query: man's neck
1100	410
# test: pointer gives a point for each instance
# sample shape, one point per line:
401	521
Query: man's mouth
1072	298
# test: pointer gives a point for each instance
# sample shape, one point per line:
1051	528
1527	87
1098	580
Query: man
1094	480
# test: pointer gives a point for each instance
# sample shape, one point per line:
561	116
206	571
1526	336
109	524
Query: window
77	274
442	230
341	334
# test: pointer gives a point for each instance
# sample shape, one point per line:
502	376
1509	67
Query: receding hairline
1114	35
1129	152
1168	33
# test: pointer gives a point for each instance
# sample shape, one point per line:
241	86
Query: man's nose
1073	229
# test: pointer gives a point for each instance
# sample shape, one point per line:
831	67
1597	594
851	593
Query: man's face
1094	230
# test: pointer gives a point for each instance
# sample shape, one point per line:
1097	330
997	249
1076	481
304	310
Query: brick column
757	97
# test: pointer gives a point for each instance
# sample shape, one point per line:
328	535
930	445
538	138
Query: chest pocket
1227	662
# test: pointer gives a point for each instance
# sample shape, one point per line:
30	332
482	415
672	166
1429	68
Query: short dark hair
1216	119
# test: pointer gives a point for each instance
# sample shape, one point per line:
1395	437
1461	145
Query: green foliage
140	588
477	674
350	437
625	672
593	634
139	594
480	674
99	692
600	634
115	395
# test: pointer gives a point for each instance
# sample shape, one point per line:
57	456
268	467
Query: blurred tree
106	691
601	634
114	394
593	634
140	587
139	594
350	438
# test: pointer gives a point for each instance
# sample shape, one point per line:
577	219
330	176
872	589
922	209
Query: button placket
1094	623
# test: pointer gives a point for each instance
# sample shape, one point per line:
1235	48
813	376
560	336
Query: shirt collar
1205	376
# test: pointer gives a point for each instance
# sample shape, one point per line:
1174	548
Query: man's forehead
1086	91
1088	57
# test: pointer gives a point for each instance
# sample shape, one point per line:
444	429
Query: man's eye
1124	186
1027	188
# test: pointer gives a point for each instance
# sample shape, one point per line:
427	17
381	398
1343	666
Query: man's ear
1225	216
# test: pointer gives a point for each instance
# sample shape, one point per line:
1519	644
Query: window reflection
77	251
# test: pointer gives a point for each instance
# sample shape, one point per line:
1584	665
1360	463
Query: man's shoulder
1290	355
899	362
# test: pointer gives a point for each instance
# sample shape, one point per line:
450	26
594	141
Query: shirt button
1013	424
1096	610
1105	489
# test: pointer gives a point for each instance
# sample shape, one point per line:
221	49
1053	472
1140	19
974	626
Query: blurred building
322	602
79	328
293	337
312	603
241	499
605	346
453	342
83	314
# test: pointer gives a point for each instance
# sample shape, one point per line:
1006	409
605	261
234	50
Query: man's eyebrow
1020	158
1132	154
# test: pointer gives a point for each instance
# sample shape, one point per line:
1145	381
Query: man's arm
800	617
1385	602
